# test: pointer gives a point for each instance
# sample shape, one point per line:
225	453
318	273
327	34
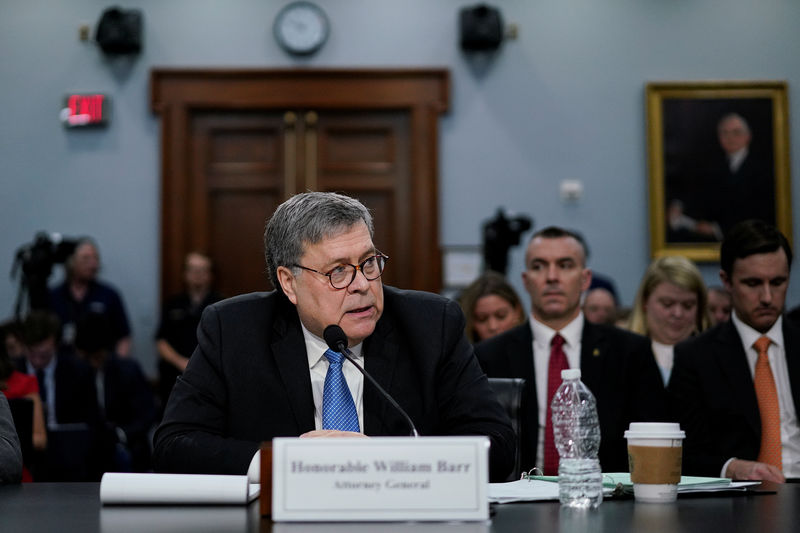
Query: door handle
311	119
289	153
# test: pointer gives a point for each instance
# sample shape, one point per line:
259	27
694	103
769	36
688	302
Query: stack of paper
539	488
687	484
119	488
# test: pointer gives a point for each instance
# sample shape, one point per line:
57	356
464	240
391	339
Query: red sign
85	110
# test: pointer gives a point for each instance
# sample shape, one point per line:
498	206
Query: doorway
235	144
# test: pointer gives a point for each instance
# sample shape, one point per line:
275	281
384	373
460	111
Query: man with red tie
736	387
616	365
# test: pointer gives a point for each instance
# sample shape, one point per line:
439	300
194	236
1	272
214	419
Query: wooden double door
235	144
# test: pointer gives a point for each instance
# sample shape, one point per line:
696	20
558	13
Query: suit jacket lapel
593	347
732	362
520	364
289	350
791	340
381	350
520	355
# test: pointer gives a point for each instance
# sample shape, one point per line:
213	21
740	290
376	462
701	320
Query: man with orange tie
618	366
736	387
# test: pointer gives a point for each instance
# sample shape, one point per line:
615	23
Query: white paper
538	490
523	490
733	485
124	488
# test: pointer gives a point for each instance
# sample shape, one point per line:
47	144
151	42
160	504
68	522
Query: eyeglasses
343	275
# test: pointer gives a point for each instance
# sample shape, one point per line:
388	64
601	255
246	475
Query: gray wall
565	100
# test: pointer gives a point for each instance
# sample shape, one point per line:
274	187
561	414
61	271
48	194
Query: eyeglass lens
343	275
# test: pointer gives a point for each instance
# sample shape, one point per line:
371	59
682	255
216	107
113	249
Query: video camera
36	260
499	235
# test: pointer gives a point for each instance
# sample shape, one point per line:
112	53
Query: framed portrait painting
718	154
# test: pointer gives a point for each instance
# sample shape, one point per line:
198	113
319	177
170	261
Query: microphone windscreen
335	338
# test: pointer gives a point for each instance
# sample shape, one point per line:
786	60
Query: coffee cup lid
654	430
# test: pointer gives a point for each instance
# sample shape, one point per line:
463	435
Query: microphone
337	341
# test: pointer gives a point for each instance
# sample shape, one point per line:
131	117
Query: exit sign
82	110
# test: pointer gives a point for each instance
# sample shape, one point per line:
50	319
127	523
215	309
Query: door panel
236	143
238	177
366	155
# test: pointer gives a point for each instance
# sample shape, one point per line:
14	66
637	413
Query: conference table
68	507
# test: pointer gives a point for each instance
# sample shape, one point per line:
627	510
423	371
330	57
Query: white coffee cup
654	457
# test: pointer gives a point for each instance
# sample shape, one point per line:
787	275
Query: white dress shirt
318	368
790	431
736	159
665	356
49	392
542	336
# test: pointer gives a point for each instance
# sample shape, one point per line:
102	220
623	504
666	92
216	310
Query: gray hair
69	264
308	218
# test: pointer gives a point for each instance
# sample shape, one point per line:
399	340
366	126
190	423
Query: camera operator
81	293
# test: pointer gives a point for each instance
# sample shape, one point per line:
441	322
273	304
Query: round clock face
301	28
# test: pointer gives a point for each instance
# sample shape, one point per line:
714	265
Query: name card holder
380	479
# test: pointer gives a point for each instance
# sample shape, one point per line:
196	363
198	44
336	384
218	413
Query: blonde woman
671	305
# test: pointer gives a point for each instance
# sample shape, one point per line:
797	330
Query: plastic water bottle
576	429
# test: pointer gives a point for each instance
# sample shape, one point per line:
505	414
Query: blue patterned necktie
338	408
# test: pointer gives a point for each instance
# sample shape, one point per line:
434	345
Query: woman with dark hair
491	307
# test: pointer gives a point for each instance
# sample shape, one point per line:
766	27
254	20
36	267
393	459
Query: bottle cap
571	373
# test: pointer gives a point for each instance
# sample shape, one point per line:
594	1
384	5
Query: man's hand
330	433
741	469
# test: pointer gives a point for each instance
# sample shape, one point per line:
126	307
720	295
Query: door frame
175	93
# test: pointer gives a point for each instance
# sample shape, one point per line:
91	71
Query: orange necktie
767	394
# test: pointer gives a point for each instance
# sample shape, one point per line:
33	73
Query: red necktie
768	407
558	362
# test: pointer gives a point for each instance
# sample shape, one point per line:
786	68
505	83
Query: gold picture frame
718	152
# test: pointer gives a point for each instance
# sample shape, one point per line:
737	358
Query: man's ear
726	281
287	281
587	279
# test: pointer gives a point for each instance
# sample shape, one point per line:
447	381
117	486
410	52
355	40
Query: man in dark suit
68	393
616	365
261	369
736	387
126	403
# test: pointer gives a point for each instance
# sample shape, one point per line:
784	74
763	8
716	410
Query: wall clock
301	28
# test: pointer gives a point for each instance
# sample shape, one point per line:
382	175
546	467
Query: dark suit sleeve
467	404
648	401
643	398
76	393
701	457
134	397
192	436
10	454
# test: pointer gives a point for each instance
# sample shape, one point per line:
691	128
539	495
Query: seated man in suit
68	394
126	403
261	365
736	387
616	365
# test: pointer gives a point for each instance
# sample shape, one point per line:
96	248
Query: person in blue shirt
81	293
